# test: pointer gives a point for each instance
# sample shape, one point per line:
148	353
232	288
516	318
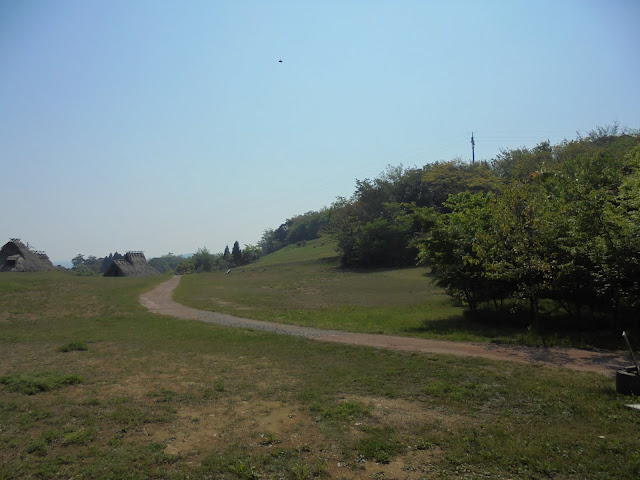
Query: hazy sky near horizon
166	126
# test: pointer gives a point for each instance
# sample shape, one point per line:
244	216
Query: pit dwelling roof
134	264
15	256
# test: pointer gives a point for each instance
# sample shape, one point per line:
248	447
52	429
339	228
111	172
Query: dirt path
160	300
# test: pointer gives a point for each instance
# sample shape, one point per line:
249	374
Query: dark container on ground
628	381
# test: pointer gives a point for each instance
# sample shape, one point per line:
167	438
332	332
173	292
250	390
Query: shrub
73	346
379	445
32	383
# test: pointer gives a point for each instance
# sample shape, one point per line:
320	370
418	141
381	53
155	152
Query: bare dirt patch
400	412
262	425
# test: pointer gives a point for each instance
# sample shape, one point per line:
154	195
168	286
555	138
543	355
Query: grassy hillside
305	285
93	386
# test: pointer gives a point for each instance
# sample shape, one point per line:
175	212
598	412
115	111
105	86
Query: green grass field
306	286
94	386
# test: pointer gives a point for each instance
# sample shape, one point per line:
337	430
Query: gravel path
160	300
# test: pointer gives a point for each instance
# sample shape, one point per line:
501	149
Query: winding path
160	300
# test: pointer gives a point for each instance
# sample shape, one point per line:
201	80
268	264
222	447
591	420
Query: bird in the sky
280	61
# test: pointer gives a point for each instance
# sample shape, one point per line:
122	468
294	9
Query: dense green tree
308	226
94	263
386	241
166	263
514	248
77	260
203	260
267	242
449	244
345	229
160	264
568	231
83	271
442	179
90	265
519	164
394	185
236	254
367	229
184	267
596	191
250	254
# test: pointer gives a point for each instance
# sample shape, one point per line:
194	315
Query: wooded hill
556	226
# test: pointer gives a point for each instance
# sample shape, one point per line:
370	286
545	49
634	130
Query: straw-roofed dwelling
134	264
15	256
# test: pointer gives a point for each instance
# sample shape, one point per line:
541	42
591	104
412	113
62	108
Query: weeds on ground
379	444
288	464
342	412
73	347
36	382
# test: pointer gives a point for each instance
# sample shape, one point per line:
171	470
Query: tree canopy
563	227
552	223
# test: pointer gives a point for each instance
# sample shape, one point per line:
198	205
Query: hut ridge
15	256
134	264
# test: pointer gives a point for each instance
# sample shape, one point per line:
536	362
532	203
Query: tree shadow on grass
339	267
502	328
467	324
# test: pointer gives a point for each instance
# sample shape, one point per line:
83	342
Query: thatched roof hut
134	264
15	256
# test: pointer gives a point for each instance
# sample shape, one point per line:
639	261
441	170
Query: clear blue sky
170	125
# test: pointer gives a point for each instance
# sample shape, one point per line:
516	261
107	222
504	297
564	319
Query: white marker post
626	339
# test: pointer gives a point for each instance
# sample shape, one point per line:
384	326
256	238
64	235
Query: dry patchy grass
164	398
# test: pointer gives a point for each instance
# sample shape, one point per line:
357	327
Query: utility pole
473	149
